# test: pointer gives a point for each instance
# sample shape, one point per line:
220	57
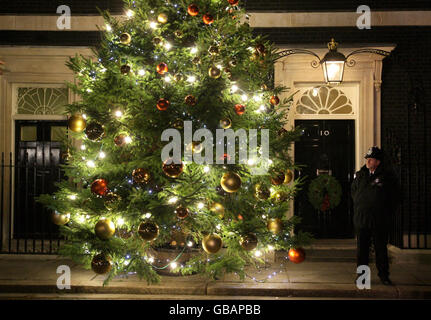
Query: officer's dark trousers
380	240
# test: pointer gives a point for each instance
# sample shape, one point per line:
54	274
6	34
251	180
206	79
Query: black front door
326	147
38	156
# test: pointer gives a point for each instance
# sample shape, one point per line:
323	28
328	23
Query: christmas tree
179	65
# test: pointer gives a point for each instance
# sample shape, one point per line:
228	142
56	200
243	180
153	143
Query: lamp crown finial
332	45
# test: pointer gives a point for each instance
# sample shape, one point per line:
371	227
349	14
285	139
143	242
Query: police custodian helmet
374	152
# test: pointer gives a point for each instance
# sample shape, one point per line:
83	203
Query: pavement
35	277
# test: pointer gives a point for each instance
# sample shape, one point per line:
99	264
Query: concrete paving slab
34	276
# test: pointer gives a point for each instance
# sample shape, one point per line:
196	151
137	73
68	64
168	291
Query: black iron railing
25	225
411	227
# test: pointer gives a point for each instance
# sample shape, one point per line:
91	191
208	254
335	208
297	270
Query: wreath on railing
324	193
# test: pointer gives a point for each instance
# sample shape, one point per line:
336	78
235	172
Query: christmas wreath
324	193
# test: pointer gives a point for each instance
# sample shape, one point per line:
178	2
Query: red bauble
207	18
99	187
296	255
239	109
163	104
274	100
233	2
225	156
193	10
162	68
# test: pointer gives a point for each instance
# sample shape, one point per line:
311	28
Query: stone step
330	250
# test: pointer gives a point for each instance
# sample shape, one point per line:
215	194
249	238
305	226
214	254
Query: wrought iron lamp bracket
289	52
352	62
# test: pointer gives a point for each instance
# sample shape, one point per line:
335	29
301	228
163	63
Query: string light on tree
156	69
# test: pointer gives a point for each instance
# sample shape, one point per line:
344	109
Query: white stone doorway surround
361	84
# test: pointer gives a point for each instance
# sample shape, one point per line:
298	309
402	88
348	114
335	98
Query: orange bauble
239	109
296	255
274	100
207	18
233	2
99	187
193	10
162	68
163	104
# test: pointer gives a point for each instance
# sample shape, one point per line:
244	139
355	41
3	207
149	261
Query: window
324	100
41	101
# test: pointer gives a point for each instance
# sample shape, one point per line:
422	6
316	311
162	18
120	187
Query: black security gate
25	224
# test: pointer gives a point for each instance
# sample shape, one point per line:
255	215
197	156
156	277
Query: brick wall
406	92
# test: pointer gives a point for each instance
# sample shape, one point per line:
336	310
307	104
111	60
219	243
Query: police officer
375	193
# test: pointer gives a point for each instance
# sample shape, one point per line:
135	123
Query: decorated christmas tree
136	183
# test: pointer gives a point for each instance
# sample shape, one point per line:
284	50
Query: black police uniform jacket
375	198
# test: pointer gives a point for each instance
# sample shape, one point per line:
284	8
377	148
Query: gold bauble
278	179
178	77
120	140
218	209
279	196
225	123
212	243
194	147
249	241
125	69
261	192
141	175
172	169
214	72
179	34
190	100
101	264
196	60
104	229
182	212
275	225
157	40
213	50
288	176
148	231
162	18
233	62
112	200
177	124
123	233
94	131
230	182
60	219
125	38
77	123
